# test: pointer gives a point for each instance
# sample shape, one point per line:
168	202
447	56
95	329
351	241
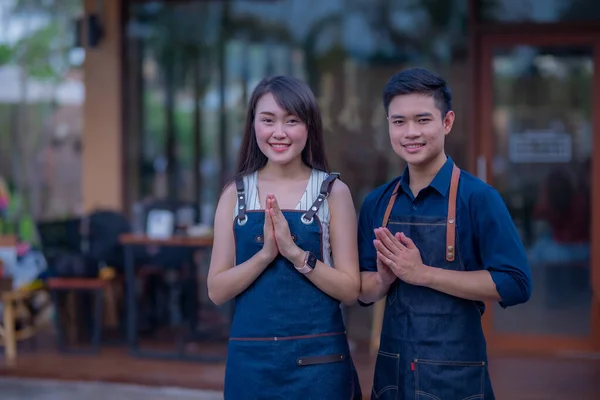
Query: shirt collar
441	181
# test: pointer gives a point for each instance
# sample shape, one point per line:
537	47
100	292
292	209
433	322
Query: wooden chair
97	286
16	310
87	242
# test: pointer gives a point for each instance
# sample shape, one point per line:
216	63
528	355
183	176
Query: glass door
539	136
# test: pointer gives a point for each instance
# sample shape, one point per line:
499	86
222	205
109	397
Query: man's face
417	129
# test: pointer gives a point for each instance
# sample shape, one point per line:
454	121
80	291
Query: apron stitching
475	396
428	395
416	223
278	338
416	377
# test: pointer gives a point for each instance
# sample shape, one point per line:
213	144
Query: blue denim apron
287	338
432	344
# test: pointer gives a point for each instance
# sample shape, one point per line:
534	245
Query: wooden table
175	241
131	240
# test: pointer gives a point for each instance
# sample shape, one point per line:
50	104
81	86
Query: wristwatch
310	262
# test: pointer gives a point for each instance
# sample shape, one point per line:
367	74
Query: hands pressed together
398	257
277	236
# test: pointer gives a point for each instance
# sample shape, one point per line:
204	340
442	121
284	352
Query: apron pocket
319	376
440	380
315	360
387	374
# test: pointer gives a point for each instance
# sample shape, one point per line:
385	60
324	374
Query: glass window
542	121
192	65
539	10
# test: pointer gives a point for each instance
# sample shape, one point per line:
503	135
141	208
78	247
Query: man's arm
402	256
505	274
470	285
372	287
501	250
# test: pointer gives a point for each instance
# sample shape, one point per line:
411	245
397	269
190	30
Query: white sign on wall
540	147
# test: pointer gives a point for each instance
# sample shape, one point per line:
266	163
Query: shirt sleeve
500	247
366	250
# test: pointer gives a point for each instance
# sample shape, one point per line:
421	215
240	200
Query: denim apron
432	344
287	339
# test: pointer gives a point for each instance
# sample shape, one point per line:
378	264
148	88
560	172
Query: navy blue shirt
487	237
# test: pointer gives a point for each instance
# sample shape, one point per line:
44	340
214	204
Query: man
438	242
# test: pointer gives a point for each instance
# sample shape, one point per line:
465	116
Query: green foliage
6	53
37	50
42	52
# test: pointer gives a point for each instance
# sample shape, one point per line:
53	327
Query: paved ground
569	377
37	389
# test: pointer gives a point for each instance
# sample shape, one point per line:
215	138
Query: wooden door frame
484	151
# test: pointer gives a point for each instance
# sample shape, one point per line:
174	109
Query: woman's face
280	135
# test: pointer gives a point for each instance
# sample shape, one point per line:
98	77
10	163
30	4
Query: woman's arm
224	281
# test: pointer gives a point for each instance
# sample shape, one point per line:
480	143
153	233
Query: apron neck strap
390	205
241	198
323	194
450	222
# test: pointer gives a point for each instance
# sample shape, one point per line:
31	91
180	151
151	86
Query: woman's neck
292	170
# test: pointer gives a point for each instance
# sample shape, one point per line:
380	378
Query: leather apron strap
324	192
450	221
241	194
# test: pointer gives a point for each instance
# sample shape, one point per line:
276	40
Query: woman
291	219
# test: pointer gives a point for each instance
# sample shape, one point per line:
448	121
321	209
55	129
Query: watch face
311	260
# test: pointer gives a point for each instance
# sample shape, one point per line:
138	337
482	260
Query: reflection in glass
191	66
539	10
543	142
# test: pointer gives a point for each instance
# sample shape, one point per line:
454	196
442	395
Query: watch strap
306	267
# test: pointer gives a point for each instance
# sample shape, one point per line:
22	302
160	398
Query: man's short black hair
421	81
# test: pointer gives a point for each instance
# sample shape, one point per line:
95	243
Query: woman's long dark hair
294	96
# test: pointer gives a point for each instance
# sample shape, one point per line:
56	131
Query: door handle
482	168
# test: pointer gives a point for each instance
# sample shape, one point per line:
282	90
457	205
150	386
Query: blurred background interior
120	122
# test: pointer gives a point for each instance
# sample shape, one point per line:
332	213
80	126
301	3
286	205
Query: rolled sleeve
366	235
500	247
